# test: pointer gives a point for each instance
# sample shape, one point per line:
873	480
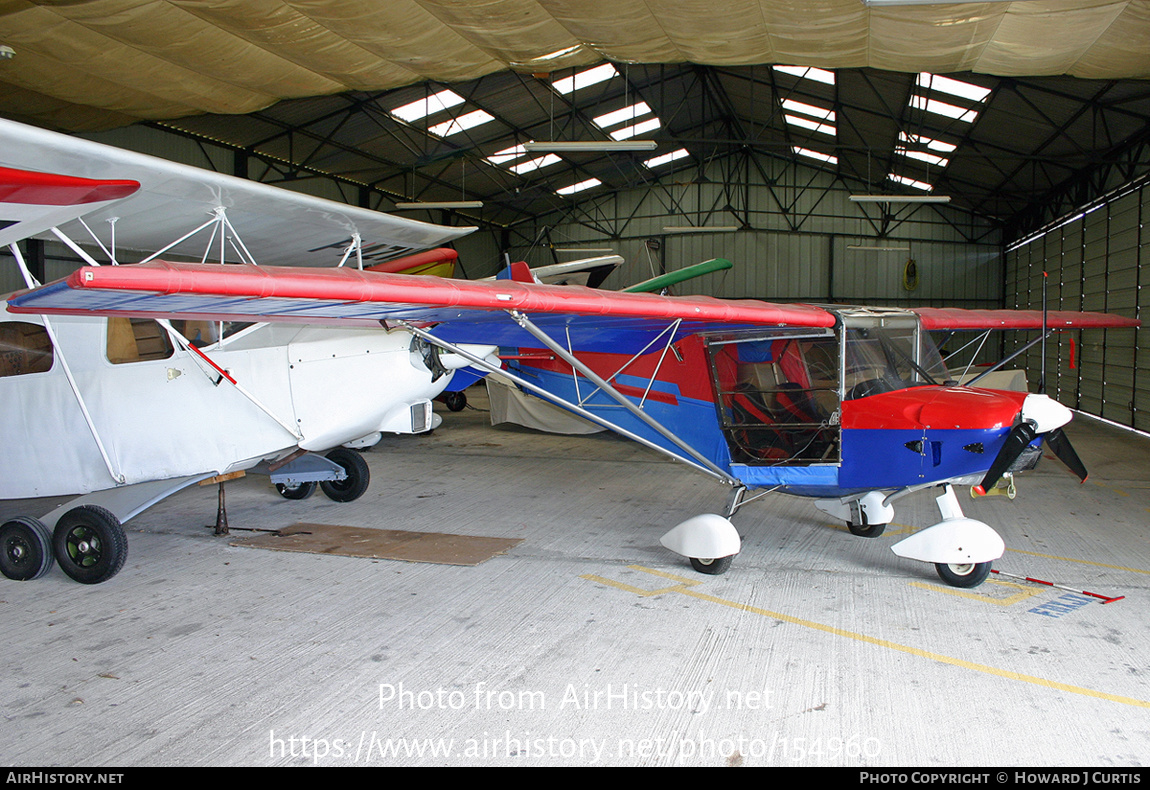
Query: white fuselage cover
169	418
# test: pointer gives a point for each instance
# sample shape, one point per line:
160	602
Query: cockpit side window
778	398
136	340
24	348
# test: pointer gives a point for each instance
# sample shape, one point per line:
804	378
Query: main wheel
356	482
25	549
714	567
969	574
298	491
866	530
90	544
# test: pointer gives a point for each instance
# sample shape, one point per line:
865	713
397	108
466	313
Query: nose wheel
970	574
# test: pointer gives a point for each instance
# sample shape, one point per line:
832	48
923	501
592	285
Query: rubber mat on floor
389	544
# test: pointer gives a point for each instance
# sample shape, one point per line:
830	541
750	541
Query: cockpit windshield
884	359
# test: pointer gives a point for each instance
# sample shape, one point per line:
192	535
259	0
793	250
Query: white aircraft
126	411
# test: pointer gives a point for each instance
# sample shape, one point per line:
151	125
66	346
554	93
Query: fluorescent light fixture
700	228
663	159
900	198
461	124
622	116
944	109
877	249
576	146
534	164
581	250
449	204
571	190
830	160
808	73
585	78
628	132
809	109
437	102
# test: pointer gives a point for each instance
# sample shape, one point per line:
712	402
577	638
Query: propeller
1040	416
1058	443
1016	441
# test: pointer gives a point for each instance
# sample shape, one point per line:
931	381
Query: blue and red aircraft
850	406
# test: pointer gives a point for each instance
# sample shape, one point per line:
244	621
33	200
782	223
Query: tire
25	549
90	544
455	401
712	567
298	491
357	480
866	530
967	575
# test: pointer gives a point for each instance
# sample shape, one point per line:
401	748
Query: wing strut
59	351
707	468
614	394
1040	339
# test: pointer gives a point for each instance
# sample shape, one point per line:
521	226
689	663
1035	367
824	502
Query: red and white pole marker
1105	599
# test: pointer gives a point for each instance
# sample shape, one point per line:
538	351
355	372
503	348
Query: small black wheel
969	574
866	530
356	482
90	544
298	491
25	549
712	567
455	401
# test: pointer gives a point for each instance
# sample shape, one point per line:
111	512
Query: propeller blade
1016	441
1059	444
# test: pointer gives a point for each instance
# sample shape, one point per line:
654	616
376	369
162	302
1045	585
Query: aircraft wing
471	310
936	318
279	226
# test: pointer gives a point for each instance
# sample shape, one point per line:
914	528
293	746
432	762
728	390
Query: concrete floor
588	643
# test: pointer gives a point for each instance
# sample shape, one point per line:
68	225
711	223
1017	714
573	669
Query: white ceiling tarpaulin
104	63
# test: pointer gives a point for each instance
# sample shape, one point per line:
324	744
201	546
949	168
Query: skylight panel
831	160
910	182
628	132
437	102
534	164
927	142
807	123
664	159
622	116
585	78
809	109
922	156
809	73
582	185
942	108
507	155
954	87
461	124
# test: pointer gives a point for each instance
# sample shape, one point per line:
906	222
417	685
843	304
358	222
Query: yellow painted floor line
684	587
1080	562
